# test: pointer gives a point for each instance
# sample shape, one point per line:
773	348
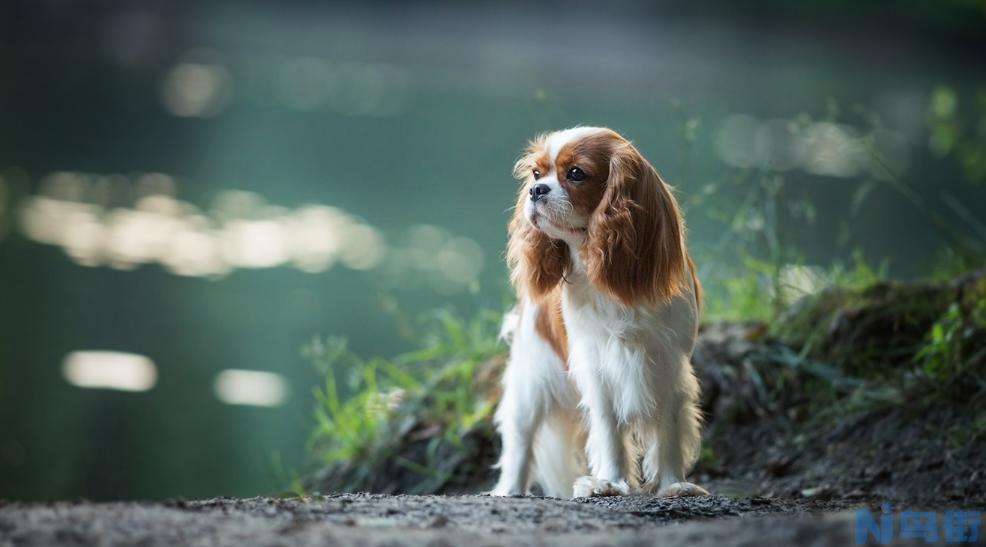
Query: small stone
821	492
440	521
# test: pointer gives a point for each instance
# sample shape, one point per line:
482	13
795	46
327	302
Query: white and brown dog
599	387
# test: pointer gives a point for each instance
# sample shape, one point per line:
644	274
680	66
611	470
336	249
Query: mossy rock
873	331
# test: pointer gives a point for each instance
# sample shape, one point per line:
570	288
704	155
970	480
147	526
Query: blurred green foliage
762	290
954	347
959	134
764	234
365	404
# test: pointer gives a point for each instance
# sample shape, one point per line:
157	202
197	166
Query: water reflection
109	370
354	89
440	260
201	84
819	148
240	231
82	214
197	88
251	387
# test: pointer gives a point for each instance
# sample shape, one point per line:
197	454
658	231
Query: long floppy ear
537	263
635	248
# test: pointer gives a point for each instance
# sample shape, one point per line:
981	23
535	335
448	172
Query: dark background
394	125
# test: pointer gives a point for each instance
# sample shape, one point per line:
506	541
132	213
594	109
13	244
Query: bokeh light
251	387
240	230
198	86
113	370
431	256
819	148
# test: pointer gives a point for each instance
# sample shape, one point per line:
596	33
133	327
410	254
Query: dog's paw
682	489
504	492
499	493
589	487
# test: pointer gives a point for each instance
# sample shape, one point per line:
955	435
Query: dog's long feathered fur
599	394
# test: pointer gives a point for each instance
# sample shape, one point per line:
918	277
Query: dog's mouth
538	217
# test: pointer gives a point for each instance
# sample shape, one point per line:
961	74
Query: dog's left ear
635	248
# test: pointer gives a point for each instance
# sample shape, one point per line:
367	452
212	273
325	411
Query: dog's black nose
538	191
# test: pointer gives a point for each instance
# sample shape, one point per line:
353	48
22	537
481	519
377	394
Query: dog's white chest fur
633	354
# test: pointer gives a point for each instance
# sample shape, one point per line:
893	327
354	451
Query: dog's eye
576	175
537	174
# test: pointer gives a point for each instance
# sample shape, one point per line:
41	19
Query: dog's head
589	191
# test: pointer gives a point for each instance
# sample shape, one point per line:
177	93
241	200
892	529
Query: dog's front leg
517	420
604	448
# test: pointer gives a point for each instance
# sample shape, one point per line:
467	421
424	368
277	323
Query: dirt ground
365	519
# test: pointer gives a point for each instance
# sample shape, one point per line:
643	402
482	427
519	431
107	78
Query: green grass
763	290
953	355
363	406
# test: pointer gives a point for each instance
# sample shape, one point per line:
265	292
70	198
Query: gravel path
362	519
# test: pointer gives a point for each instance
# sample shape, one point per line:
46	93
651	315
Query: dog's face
564	176
588	190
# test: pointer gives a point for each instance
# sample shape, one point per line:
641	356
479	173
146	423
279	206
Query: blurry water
202	190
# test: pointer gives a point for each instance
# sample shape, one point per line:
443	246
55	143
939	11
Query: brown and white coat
599	386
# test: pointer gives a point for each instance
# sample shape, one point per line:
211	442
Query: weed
953	351
763	290
365	405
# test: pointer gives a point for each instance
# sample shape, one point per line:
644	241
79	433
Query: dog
599	396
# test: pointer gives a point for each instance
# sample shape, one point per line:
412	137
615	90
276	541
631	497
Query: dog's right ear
537	263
